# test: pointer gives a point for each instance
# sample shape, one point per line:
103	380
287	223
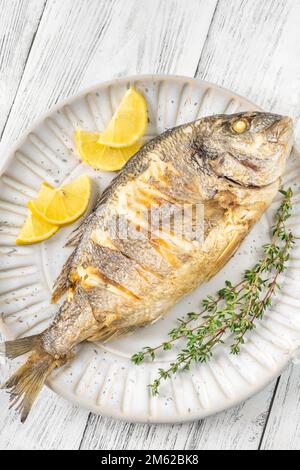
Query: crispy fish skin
230	165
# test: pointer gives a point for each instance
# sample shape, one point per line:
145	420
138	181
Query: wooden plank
18	22
246	52
240	427
241	31
253	49
54	424
283	428
80	42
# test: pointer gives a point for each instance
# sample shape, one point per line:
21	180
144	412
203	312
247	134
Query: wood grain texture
78	43
105	39
19	20
54	424
283	428
251	47
246	51
237	428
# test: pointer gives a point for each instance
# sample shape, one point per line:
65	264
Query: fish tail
25	384
18	347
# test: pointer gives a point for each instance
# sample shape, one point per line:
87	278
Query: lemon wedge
102	157
61	206
35	230
129	123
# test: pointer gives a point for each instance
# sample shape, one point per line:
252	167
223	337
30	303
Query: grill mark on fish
167	196
173	198
165	247
143	271
94	274
117	267
154	192
144	199
138	266
249	164
164	250
151	258
159	245
141	266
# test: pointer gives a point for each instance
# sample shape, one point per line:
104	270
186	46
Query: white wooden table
50	49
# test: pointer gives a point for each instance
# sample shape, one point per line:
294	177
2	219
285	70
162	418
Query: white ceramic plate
102	378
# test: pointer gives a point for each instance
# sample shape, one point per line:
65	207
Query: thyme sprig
233	310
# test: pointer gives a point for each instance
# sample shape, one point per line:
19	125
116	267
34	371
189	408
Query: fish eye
240	126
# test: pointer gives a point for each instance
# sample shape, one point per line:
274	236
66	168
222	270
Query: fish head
249	148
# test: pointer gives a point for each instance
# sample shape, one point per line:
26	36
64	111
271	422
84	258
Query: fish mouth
282	131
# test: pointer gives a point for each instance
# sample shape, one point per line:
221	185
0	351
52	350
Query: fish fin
62	283
25	384
77	234
18	347
119	334
227	253
76	237
106	334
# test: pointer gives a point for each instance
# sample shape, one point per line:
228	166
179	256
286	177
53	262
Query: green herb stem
234	309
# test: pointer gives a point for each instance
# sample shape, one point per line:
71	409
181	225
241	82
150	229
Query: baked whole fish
123	274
